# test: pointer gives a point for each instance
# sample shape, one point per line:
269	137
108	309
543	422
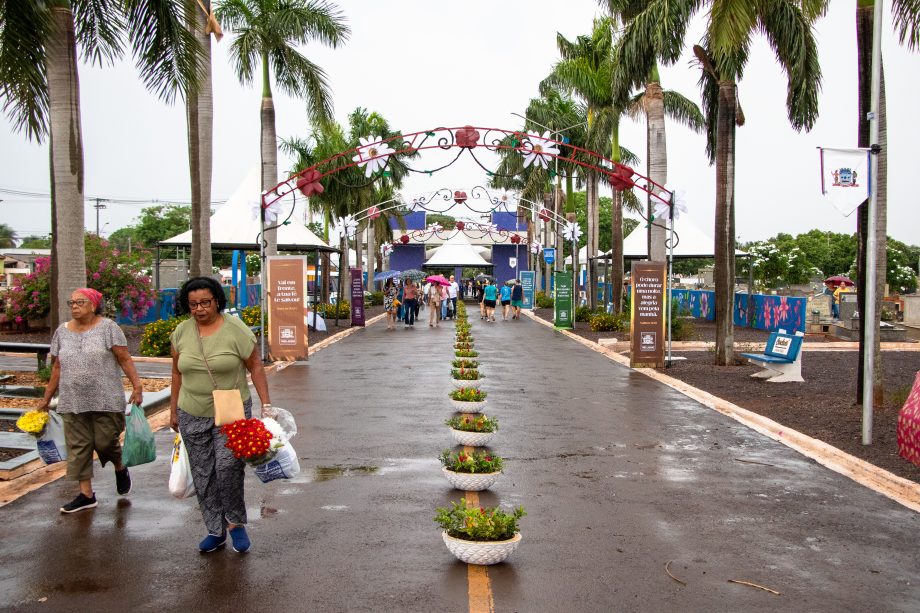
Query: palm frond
299	76
728	36
683	110
24	28
99	25
245	54
793	41
302	22
709	93
631	202
165	50
906	15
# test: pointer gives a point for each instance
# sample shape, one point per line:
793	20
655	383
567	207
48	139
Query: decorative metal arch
375	156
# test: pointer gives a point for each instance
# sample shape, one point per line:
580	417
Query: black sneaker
122	481
79	503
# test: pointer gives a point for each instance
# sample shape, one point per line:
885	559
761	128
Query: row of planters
474	535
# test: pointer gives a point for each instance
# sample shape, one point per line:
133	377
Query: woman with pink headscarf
90	352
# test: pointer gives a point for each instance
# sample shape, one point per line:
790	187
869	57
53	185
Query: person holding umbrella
410	301
390	303
434	303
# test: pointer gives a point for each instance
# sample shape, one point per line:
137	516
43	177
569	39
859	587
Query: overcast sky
424	64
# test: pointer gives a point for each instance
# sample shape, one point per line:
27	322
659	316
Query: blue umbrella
386	274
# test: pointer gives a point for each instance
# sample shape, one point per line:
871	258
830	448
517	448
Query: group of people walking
211	350
510	297
403	302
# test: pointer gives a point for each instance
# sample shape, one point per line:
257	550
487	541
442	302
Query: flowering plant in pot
464	363
466	377
468	399
464	337
479	535
466	353
470	472
463	345
473	431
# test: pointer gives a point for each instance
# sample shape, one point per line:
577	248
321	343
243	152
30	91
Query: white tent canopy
692	242
234	225
457	251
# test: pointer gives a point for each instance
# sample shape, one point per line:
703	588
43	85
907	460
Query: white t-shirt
453	289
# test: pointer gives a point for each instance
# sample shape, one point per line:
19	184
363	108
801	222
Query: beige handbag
228	404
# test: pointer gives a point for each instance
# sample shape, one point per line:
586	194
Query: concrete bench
781	359
40	350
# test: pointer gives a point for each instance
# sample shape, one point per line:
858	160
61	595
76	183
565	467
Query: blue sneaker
240	539
212	542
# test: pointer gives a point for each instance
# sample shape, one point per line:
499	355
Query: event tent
234	226
692	242
457	251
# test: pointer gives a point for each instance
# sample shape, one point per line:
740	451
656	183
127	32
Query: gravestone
848	307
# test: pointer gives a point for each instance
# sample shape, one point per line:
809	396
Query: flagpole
871	281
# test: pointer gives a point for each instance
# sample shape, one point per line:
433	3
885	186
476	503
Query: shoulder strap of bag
205	359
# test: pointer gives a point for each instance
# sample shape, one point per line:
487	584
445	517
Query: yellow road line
477	577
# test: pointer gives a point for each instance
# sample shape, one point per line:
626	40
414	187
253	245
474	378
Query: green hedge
543	301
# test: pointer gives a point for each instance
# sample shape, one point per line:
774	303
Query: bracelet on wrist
266	404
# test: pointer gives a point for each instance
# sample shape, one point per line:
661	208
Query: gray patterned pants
217	475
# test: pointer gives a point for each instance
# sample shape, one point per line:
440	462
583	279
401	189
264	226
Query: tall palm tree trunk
66	151
200	116
725	221
269	148
864	19
657	160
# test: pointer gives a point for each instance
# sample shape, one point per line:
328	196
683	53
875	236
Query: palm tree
906	14
267	34
7	236
39	86
788	26
199	107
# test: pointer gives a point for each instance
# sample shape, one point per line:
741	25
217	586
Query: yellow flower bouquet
33	422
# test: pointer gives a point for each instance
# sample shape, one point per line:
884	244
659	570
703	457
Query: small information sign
527	284
564	309
647	314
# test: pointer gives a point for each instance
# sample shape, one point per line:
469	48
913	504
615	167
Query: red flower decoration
515	239
467	136
460	225
373	212
309	184
544	214
621	177
404	239
459	197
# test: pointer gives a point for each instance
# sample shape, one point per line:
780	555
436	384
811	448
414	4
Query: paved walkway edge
903	491
20	486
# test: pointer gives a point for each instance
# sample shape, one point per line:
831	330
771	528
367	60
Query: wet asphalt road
619	475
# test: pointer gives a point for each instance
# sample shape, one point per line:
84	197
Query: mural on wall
770	312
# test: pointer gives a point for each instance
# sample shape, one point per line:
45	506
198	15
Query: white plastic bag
180	472
283	466
283	418
51	444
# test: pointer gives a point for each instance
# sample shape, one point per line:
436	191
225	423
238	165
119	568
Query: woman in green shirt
230	349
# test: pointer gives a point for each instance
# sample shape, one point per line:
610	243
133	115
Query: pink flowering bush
120	276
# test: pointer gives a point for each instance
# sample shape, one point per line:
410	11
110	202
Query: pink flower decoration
96	276
467	136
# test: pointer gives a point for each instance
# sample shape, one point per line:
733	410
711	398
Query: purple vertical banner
357	297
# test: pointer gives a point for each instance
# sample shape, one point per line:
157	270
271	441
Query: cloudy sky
425	64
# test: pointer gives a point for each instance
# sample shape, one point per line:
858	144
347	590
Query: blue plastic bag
139	447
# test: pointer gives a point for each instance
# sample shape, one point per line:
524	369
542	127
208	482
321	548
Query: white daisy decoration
372	155
571	231
271	211
536	247
435	227
538	149
662	210
345	226
507	198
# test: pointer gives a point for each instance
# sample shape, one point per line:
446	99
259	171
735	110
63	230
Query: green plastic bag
139	447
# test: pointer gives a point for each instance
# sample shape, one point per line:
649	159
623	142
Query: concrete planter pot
464	406
481	552
472	439
467	383
470	482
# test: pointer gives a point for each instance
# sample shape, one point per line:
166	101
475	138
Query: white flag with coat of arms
845	177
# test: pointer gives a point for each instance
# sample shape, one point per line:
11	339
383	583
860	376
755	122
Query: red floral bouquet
249	440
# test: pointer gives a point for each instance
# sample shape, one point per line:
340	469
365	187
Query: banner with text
357	297
564	310
287	330
647	315
527	284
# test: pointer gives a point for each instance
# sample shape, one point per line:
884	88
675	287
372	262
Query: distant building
19	262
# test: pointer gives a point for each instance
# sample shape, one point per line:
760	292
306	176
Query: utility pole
98	206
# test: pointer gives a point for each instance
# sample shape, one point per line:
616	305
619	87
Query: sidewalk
619	475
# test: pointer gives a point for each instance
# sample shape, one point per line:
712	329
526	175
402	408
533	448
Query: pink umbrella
440	279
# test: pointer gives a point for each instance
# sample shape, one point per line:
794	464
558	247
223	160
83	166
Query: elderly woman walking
90	353
211	351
